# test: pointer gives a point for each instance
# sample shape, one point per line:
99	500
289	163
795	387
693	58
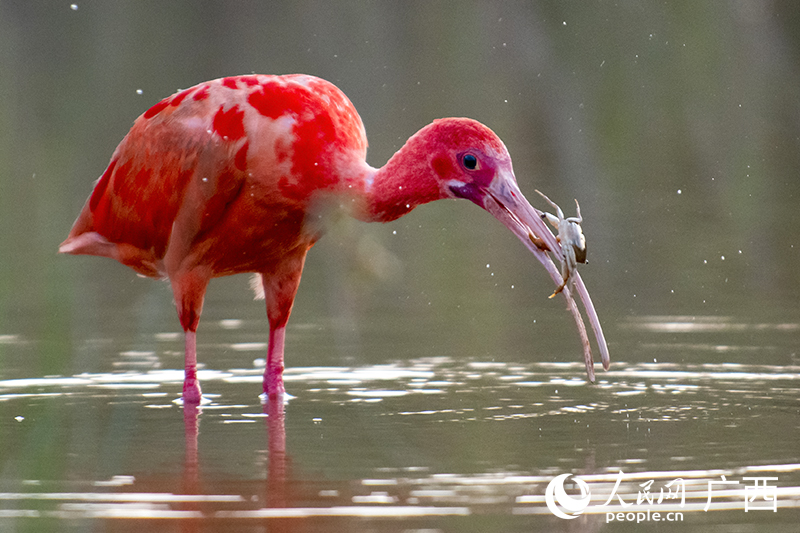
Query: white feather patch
257	286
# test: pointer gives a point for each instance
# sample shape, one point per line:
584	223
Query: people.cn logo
555	496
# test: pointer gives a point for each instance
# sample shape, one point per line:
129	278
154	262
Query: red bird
226	177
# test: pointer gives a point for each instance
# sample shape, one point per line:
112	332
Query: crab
570	237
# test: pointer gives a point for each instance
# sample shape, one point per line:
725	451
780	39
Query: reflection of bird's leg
277	461
191	466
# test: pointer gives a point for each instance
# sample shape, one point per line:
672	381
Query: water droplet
73	7
139	91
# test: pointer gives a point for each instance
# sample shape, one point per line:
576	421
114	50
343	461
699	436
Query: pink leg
189	289
280	287
191	386
273	374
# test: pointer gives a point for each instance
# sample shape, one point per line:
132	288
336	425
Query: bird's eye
470	162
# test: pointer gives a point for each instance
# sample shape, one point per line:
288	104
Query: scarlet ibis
223	178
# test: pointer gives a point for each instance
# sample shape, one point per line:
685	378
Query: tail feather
92	243
89	243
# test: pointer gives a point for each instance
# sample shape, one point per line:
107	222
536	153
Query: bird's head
470	161
462	158
458	158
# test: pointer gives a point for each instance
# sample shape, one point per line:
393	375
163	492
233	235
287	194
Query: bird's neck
404	182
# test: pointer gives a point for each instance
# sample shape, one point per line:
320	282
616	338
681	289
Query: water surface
446	443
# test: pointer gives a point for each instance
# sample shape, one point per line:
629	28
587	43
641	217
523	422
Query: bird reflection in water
276	484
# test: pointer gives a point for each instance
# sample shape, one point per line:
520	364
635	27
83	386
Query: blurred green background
675	124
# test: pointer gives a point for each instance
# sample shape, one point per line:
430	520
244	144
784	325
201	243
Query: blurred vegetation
675	124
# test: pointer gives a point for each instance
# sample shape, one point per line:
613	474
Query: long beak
507	204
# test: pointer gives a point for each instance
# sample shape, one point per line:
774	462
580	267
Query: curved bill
503	199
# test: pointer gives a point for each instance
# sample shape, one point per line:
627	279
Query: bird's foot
274	391
273	373
191	392
273	385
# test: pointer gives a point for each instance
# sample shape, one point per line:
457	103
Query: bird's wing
168	164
